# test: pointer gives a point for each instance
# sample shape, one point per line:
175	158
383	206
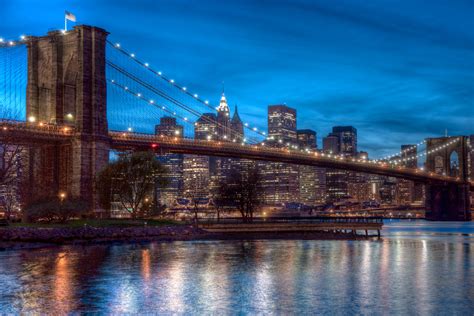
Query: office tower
312	180
282	124
407	191
307	139
280	181
342	141
347	139
331	144
198	170
173	162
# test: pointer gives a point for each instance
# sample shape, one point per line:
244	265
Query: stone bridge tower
448	201
67	86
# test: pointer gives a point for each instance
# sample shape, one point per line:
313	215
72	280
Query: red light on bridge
154	145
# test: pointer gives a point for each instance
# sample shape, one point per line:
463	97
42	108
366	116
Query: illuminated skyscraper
280	181
197	170
173	162
312	180
347	139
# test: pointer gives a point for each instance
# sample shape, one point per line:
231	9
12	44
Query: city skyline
428	78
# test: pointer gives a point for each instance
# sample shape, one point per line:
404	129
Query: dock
352	225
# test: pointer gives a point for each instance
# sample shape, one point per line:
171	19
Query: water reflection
407	272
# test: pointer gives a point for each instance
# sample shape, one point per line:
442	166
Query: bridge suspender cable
162	94
182	89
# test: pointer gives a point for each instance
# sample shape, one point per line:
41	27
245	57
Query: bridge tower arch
67	85
448	201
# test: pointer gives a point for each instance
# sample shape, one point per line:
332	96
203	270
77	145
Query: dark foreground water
419	267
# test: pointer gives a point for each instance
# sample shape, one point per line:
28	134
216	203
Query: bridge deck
25	132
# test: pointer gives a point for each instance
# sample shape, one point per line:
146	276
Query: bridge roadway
123	140
33	133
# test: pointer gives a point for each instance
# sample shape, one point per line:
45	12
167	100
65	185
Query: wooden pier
352	225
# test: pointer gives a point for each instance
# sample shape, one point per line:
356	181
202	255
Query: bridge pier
448	202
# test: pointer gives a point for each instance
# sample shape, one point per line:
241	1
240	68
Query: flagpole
65	23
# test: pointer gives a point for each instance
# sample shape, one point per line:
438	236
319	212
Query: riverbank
34	237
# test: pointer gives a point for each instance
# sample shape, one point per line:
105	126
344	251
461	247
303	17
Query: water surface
418	267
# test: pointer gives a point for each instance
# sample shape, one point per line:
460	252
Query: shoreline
30	238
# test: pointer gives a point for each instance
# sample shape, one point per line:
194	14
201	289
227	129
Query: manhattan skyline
398	76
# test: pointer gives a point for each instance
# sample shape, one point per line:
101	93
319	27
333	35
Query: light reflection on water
418	268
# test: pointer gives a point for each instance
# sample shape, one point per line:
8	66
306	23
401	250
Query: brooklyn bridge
84	95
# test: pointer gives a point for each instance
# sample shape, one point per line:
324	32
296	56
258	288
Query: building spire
236	117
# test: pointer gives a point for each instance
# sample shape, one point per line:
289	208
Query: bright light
152	101
159	72
32	119
146	64
117	45
63	31
195	95
70	116
23	37
130	129
207	102
132	55
255	129
11	43
208	137
1	40
184	88
176	132
139	94
185	118
172	80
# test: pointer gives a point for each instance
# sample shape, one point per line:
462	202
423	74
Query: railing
40	128
302	220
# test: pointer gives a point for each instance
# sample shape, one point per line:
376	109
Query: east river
418	268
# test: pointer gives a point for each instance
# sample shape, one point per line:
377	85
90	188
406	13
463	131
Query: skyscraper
337	180
173	162
405	193
223	120
280	181
312	180
282	124
237	127
307	139
347	139
197	170
331	144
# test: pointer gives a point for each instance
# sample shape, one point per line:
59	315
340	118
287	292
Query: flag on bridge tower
68	16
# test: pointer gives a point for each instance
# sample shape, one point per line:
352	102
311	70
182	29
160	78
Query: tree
55	209
243	191
131	181
10	158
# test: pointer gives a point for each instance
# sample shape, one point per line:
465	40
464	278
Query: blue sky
398	71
